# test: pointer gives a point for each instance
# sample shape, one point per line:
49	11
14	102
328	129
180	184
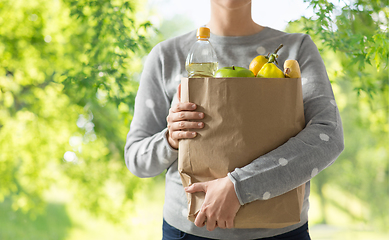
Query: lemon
257	63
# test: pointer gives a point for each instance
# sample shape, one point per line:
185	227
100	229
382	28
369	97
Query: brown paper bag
244	119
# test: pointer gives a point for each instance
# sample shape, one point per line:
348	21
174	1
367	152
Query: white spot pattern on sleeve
165	161
178	77
184	212
150	103
314	172
324	137
266	196
283	161
261	50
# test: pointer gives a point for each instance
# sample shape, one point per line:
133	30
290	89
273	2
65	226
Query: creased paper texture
244	119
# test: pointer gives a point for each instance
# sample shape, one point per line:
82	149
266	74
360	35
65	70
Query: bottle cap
203	32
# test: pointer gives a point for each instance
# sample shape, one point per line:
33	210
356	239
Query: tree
67	89
354	44
360	32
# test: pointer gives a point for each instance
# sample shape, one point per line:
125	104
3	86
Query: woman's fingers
230	223
211	224
179	92
200	219
220	204
184	125
183	107
221	224
183	134
183	111
182	116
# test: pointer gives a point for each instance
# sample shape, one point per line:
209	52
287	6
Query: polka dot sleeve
147	152
302	157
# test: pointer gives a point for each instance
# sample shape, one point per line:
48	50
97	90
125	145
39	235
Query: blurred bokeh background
69	73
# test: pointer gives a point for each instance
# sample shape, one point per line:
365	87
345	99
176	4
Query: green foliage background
68	79
66	72
354	42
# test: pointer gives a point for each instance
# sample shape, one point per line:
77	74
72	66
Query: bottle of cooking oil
201	60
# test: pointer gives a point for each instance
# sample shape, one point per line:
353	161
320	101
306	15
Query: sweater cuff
233	180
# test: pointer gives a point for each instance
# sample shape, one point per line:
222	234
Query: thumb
196	187
179	92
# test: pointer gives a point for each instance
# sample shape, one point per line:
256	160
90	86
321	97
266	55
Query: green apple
233	71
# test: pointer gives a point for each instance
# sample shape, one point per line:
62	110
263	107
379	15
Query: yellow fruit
257	63
270	70
292	69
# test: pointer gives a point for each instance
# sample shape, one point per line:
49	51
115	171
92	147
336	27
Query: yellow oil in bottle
199	70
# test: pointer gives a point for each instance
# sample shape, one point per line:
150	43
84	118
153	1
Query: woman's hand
220	204
180	120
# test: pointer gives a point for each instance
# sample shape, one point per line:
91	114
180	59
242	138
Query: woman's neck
232	21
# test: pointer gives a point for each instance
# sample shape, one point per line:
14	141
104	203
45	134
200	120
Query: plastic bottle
201	60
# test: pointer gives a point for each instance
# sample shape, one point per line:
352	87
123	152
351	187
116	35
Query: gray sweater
147	152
